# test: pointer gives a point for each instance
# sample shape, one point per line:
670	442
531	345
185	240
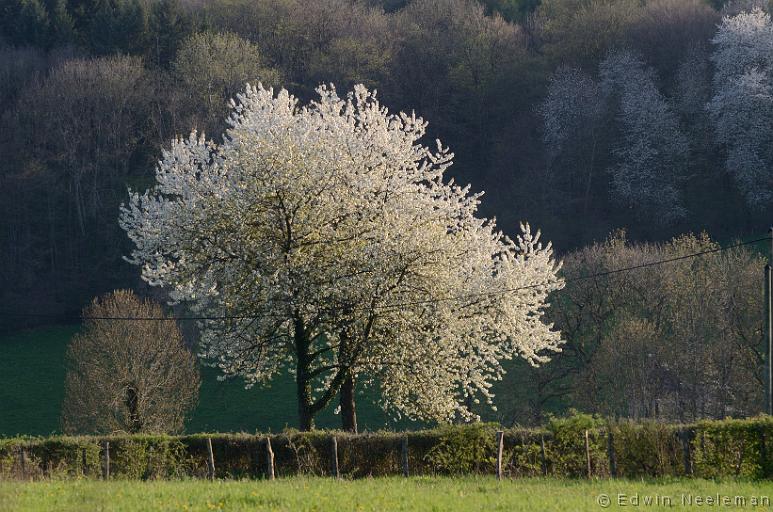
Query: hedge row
626	449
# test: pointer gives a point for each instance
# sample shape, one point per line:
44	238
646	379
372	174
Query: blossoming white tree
326	239
742	105
652	153
573	113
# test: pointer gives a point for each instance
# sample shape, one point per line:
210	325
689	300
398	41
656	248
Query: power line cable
590	276
413	303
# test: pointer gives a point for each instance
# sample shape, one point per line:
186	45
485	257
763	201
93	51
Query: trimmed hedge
710	449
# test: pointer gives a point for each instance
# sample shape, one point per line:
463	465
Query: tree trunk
305	416
302	380
308	407
346	393
348	406
132	404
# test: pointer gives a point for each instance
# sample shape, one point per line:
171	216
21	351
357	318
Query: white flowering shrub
327	238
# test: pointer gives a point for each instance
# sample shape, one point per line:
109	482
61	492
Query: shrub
566	454
523	453
647	449
464	449
733	448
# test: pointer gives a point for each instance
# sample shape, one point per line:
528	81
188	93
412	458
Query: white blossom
571	108
742	105
652	153
332	236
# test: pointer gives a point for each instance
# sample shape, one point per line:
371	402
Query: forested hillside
615	126
580	116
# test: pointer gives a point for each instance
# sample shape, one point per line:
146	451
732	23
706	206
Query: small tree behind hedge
128	375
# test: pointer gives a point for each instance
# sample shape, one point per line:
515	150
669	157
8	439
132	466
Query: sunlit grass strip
380	494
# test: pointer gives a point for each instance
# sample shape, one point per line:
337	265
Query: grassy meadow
32	389
393	494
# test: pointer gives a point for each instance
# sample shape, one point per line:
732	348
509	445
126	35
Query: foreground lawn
386	494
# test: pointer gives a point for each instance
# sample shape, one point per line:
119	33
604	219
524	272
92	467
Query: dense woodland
581	116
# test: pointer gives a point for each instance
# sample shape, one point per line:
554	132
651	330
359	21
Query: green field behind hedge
32	389
380	494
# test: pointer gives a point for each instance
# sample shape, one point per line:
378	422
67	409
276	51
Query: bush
647	449
566	454
737	448
464	449
523	453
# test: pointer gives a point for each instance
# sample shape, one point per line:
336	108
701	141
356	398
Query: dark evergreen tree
24	23
61	27
511	10
118	26
168	26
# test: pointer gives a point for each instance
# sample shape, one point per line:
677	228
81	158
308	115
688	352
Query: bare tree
73	138
666	30
680	341
211	69
124	375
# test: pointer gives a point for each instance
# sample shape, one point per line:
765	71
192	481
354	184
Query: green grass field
390	494
32	381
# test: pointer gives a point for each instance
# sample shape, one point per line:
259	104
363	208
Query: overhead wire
402	305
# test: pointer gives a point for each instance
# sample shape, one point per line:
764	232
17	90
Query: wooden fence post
269	459
543	457
611	454
150	464
500	449
210	460
106	462
405	456
23	462
334	457
84	463
587	453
